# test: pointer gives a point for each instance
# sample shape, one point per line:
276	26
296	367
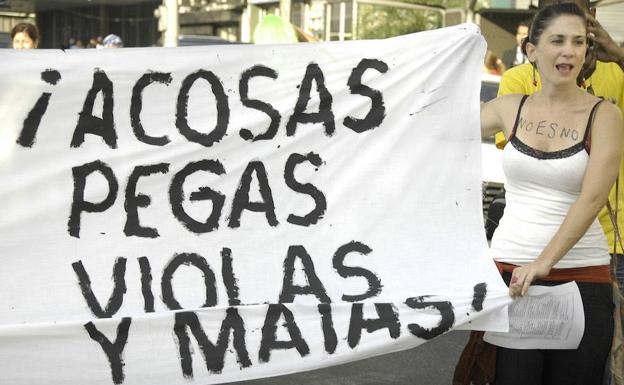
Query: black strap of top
513	130
590	123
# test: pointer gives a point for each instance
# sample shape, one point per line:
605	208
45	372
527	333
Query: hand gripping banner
213	214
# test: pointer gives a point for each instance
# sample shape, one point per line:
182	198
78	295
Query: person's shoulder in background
608	79
508	57
518	80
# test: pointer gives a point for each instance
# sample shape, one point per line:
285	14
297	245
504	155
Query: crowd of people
110	41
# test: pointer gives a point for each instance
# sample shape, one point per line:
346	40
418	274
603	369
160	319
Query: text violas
234	329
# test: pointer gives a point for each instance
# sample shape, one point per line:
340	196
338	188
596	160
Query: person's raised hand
604	48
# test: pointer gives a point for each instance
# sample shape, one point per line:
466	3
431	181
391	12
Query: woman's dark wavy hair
545	16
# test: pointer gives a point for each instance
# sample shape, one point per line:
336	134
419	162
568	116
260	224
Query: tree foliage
380	21
377	21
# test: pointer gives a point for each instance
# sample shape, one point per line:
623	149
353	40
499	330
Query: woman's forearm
578	219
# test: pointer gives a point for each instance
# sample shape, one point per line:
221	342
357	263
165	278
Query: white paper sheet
547	317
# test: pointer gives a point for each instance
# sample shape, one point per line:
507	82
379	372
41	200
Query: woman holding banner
562	161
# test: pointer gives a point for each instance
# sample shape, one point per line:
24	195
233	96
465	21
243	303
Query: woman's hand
523	276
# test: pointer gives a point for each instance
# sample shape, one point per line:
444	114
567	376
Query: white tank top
540	188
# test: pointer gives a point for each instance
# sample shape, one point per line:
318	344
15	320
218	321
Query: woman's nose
568	50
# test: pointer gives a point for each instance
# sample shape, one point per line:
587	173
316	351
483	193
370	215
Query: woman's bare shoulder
498	114
510	98
609	112
506	104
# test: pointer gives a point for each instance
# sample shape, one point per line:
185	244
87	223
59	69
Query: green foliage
378	21
441	3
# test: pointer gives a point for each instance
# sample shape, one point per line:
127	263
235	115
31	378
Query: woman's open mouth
564	69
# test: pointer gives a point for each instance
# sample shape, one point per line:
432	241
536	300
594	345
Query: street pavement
430	364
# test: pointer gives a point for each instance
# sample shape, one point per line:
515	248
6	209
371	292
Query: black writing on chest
548	129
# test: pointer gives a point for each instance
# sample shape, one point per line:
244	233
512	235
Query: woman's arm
493	114
602	170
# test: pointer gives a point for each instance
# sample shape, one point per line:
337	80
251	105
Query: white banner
212	214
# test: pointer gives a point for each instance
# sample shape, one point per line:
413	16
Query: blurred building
142	22
322	19
65	22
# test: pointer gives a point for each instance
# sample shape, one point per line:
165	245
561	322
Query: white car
491	158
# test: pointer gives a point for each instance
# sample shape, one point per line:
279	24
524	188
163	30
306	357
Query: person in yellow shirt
603	75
